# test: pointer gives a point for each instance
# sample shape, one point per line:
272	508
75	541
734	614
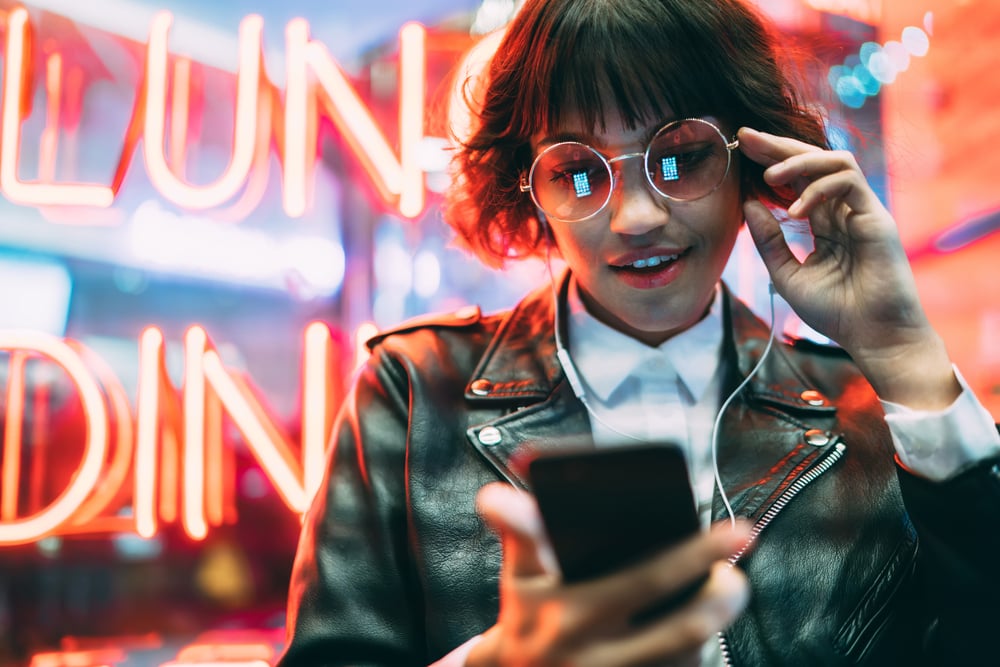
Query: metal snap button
813	397
481	387
817	438
490	436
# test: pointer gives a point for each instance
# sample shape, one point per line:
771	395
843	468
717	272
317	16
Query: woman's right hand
543	621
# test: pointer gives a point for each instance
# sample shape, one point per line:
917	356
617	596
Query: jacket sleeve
958	522
353	599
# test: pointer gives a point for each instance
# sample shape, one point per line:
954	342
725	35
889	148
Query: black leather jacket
856	561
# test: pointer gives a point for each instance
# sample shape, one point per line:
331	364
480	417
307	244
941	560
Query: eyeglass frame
524	184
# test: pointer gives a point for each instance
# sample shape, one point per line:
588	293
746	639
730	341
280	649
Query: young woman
633	139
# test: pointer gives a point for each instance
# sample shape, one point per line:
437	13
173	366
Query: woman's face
692	240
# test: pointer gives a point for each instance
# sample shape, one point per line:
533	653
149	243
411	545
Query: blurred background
205	209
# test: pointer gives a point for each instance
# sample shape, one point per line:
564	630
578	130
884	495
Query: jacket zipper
827	462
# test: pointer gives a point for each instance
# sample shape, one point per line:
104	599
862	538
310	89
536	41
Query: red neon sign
181	469
315	84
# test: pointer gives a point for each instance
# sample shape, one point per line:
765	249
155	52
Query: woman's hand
856	287
544	622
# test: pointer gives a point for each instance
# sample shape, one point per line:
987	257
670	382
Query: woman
633	138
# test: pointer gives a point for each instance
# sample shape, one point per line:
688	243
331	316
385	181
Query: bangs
637	60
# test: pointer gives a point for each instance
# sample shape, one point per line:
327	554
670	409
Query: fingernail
793	210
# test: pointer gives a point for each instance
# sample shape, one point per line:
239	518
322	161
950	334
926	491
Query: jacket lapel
519	399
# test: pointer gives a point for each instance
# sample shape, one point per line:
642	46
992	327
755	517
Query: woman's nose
635	208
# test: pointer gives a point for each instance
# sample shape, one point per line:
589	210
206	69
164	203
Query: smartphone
606	508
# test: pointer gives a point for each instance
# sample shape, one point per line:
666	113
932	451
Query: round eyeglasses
686	160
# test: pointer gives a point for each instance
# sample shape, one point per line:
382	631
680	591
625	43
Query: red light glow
32	528
15	102
315	82
247	91
182	467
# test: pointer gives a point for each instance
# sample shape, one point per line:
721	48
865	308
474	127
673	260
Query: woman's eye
581	180
674	164
696	156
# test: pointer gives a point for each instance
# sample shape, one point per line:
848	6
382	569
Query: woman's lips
652	270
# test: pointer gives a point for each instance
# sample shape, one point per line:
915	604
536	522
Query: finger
768	149
666	574
847	187
811	164
828	174
514	516
770	241
677	635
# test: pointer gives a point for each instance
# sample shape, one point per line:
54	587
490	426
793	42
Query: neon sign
315	84
174	445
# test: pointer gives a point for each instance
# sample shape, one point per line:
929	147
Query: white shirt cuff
938	444
457	657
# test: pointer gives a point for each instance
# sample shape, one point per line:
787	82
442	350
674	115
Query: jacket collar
778	382
520	364
520	401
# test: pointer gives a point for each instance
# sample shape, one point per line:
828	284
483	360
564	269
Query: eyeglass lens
687	159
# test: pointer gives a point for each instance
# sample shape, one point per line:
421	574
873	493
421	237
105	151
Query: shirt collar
606	357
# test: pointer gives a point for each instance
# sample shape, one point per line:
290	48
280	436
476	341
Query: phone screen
609	507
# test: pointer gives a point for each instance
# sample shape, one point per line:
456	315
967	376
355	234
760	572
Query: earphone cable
725	405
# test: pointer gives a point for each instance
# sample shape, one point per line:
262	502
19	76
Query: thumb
513	515
770	241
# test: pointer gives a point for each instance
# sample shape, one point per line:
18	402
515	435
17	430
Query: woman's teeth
652	261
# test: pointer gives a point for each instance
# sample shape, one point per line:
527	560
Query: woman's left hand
856	286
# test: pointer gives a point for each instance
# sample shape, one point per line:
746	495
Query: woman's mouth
653	271
649	262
